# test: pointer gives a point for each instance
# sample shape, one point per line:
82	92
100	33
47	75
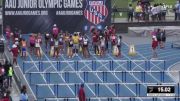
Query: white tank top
85	41
119	42
56	43
102	42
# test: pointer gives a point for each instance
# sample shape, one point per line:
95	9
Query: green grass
120	4
168	2
1	2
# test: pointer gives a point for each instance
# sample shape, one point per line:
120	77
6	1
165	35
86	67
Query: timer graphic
160	90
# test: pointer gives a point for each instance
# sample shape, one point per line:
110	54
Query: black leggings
96	49
130	16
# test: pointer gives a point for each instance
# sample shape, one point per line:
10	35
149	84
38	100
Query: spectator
6	67
112	29
158	8
102	45
37	45
82	96
164	11
55	31
10	75
56	48
130	12
138	11
154	32
17	43
75	39
66	40
32	42
154	12
23	95
107	37
70	47
51	44
119	44
8	33
115	50
47	37
16	34
154	46
162	38
159	37
95	40
146	12
177	11
23	48
113	41
7	96
2	73
85	47
80	42
61	44
15	53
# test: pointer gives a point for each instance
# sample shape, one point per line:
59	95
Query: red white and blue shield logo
96	11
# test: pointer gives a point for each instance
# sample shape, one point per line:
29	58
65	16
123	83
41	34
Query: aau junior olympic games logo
96	11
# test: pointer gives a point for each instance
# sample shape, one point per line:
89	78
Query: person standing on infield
154	46
82	96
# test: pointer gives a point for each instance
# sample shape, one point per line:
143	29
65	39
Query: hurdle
97	87
48	77
76	88
120	83
94	66
85	76
59	64
67	77
109	99
56	91
104	74
60	72
117	88
114	98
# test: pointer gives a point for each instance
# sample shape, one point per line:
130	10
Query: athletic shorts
46	38
102	48
76	46
85	45
71	45
55	36
23	49
60	43
32	44
37	45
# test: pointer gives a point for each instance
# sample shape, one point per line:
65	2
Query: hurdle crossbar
120	83
119	97
95	60
61	72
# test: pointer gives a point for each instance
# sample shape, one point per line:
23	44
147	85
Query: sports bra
85	42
